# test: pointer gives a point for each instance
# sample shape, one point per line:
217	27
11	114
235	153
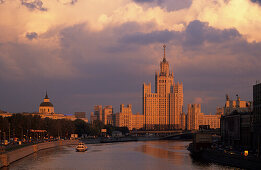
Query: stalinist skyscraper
162	109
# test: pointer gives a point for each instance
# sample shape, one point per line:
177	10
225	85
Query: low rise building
236	129
236	123
80	115
195	118
212	120
5	114
125	118
237	105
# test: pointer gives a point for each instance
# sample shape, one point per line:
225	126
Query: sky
100	52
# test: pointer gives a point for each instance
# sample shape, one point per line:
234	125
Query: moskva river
147	155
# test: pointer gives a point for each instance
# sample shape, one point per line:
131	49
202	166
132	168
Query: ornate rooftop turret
164	65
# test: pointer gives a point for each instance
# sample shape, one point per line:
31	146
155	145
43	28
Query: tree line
22	126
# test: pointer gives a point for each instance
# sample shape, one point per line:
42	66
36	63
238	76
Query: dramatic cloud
257	1
195	34
202	55
31	35
170	5
100	52
34	4
198	32
148	38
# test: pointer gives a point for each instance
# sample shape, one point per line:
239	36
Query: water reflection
176	153
132	155
176	157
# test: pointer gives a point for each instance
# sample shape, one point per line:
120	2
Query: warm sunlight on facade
46	107
163	109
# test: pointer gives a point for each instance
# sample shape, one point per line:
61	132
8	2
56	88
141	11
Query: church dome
46	106
49	104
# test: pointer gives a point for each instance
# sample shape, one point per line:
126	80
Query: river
147	155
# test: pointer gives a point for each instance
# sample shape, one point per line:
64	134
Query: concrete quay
7	158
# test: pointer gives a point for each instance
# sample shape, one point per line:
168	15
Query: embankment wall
7	158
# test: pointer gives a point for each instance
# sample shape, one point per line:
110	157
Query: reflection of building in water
170	151
162	109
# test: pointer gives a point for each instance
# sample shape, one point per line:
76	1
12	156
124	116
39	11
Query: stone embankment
7	158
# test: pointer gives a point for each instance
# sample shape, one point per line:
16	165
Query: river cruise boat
81	147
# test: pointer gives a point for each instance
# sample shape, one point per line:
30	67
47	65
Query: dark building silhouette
257	118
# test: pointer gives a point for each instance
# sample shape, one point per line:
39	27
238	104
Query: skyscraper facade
98	112
257	117
162	110
194	111
107	115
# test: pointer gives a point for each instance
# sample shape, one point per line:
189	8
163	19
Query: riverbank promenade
7	158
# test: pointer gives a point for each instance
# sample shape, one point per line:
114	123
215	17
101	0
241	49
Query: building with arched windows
46	107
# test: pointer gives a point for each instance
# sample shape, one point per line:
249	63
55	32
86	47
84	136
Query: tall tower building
107	115
194	111
257	117
162	109
98	112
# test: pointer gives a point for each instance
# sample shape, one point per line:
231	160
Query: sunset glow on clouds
91	47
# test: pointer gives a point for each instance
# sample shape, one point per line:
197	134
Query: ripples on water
147	155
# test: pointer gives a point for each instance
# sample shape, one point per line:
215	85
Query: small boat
81	147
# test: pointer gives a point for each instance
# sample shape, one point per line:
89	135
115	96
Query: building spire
164	49
46	95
